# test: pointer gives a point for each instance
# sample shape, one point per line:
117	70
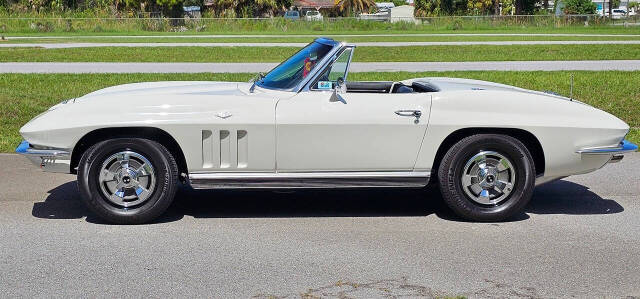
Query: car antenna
571	90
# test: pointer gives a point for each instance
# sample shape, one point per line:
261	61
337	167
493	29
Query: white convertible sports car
304	125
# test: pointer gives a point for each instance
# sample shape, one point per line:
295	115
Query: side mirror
341	87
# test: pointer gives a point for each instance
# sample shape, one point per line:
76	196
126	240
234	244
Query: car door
324	130
232	133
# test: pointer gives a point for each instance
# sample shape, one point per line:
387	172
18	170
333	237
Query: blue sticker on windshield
324	84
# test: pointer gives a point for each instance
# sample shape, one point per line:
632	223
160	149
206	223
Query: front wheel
127	180
487	177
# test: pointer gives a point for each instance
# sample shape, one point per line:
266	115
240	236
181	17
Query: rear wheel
127	180
487	177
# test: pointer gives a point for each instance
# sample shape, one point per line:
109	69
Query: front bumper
50	160
616	152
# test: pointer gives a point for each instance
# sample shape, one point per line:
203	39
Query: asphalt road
185	67
285	44
579	237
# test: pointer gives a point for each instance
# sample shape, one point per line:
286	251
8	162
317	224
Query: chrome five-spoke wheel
488	178
127	179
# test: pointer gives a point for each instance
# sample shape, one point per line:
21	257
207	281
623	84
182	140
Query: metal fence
66	24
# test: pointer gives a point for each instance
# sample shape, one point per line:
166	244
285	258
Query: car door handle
415	113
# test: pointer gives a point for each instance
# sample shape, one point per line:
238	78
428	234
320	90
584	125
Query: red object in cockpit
308	64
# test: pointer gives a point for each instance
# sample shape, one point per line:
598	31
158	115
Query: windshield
292	71
312	13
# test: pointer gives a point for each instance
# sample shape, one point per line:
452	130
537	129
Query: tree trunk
545	5
610	9
518	7
496	7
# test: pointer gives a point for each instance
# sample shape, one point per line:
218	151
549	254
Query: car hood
168	88
445	84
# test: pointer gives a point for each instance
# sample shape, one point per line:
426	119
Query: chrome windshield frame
334	55
320	66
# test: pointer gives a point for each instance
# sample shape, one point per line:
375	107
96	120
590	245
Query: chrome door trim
348	62
407	179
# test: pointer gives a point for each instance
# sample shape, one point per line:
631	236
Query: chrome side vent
225	149
242	148
207	149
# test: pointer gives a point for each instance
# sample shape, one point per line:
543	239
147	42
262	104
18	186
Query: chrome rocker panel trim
309	180
50	160
624	147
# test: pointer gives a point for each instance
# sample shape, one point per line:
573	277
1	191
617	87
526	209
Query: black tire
453	165
160	198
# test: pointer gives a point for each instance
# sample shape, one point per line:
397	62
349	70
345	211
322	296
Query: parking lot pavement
579	237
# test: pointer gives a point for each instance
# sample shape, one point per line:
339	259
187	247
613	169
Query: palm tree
271	7
355	5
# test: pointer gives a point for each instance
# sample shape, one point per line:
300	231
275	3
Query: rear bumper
624	147
50	160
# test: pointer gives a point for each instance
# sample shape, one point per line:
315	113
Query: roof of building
314	3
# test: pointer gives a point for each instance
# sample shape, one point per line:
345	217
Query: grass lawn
305	39
23	96
118	27
362	54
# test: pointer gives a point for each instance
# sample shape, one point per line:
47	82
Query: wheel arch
151	133
527	138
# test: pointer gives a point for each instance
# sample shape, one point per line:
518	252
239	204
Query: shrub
579	7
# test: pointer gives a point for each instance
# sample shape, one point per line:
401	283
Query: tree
270	7
395	2
507	7
249	8
612	4
478	6
579	7
355	5
171	8
426	8
525	7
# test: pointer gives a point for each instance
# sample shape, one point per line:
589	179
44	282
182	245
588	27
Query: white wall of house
604	4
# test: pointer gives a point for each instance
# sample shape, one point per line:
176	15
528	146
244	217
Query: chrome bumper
50	160
616	152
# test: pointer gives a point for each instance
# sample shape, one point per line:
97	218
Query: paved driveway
579	237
